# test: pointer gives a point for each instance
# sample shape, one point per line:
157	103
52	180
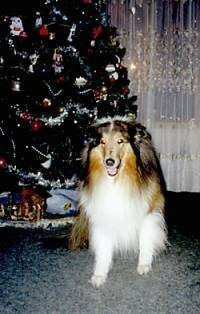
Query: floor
40	275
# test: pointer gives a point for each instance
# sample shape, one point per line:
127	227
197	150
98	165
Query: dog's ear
147	159
141	142
141	133
138	134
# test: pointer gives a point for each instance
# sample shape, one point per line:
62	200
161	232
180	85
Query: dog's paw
143	269
97	280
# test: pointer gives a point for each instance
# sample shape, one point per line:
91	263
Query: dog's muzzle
111	166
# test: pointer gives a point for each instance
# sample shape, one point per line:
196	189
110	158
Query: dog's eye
120	141
103	142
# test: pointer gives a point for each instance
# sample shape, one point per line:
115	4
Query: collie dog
122	197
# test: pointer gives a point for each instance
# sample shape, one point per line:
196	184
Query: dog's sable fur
122	196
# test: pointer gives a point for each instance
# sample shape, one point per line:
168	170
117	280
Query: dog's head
114	137
112	140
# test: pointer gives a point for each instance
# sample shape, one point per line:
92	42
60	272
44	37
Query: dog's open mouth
112	171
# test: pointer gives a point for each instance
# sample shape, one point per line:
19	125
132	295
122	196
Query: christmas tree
61	68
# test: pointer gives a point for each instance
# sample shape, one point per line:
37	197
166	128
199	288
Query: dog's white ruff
119	221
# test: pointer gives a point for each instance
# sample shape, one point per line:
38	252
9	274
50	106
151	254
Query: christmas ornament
113	77
47	163
72	32
23	35
104	89
97	31
3	163
104	92
26	116
16	85
110	68
125	90
1	60
113	42
52	35
33	60
80	81
43	31
46	102
16	26
113	74
36	125
86	1
97	94
61	109
92	43
118	60
38	20
58	61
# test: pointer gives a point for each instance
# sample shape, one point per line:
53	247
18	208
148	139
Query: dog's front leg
103	252
152	238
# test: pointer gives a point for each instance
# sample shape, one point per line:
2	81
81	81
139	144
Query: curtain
162	41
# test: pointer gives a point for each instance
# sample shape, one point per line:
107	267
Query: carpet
40	275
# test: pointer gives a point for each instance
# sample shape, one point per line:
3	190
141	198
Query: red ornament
36	126
60	79
26	116
96	93
97	31
112	80
43	31
46	102
86	1
23	35
3	163
125	90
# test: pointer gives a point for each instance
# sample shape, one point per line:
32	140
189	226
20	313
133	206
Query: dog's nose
110	162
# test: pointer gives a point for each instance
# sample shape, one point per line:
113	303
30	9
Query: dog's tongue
112	171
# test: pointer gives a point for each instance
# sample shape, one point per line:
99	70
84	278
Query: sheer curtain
162	41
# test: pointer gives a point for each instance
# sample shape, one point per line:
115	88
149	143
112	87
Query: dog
122	198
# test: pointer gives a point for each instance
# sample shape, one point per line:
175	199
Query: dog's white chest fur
115	212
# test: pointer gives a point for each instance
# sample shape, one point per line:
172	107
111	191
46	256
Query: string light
132	66
132	9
